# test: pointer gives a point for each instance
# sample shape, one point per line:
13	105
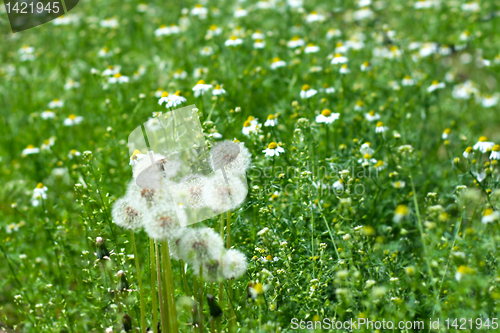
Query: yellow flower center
447	131
496	148
339	44
164	94
233	37
379	164
276	59
326	113
46	142
371	113
468	150
213	27
247	124
134	154
402	210
435	82
488	212
271	117
380	124
296	38
117	75
407	77
306	87
199	6
56	100
394	48
273	145
359	103
269	257
250	118
259	288
314	12
178	93
30	147
367	156
163	26
40	185
217	87
310	44
72	116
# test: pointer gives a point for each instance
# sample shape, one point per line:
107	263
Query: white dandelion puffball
126	214
162	222
234	157
142	197
145	162
234	264
189	191
221	196
199	246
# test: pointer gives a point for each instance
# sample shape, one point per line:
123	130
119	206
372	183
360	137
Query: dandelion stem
169	292
153	285
164	323
200	300
139	278
184	280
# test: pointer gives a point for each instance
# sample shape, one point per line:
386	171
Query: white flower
331	33
163	30
200	88
427	49
435	85
273	150
372	116
277	63
344	70
72	120
366	149
365	66
259	44
39	193
48	143
468	153
30	149
399	184
464	90
180	74
127	213
408	81
315	17
495	153
221	196
363	13
489	215
483	145
326	116
11	227
271	121
104	52
380	128
26	53
311	48
111	70
250	126
294	3
71	84
295	42
72	153
233	41
47	114
339	59
258	35
56	104
118	78
339	185
401	212
240	12
212	31
422	4
207	51
471	7
200	246
490	100
307	92
380	165
199	11
109	23
234	264
218	90
65	20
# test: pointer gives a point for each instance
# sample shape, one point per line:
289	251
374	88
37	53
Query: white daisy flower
30	149
39	194
307	92
109	23
295	42
199	11
365	66
435	85
362	14
423	4
326	116
339	59
73	152
408	81
471	7
111	70
250	126
380	165
212	31
258	35
338	186
398	184
344	70
490	100
331	33
314	17
104	52
47	114
273	150
233	41
464	90
259	44
489	216
277	63
271	121
295	3
446	134
48	143
240	12
163	30
372	116
200	88
311	48
72	120
71	84
468	153
495	153
359	105
380	127
428	49
366	149
118	78
483	145
56	104
207	51
180	74
401	212
218	90
27	53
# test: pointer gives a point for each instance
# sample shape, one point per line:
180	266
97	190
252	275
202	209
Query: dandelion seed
126	214
199	246
220	195
163	222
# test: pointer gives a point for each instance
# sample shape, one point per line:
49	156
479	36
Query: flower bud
127	323
122	283
102	251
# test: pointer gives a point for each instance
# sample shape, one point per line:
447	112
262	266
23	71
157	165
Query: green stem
153	285
231	322
170	288
164	323
139	278
200	300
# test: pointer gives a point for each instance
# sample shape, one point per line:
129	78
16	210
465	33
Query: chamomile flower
48	143
295	42
27	53
104	52
258	35
56	104
30	149
212	31
344	69
462	271
71	84
251	125
72	153
163	30
218	90
366	160
271	121
207	51
199	11
164	98
372	116
200	88
109	23
435	85
365	66
39	194
295	3
118	78
307	92
111	70
423	4
273	150
489	216
259	44
427	49
314	17
240	12
326	116
233	41
380	165
468	153
489	101
72	120
180	74
136	156
47	114
339	59
311	48
331	33
446	134
401	212
380	128
464	90
470	7
399	184
338	186
483	145
495	153
359	105
407	81
327	89
362	14
277	63
366	148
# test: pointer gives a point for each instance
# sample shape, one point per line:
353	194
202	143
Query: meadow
366	187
